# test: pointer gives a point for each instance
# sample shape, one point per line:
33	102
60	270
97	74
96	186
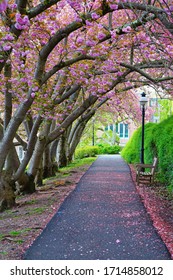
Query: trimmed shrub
108	149
92	151
131	152
158	142
89	151
163	139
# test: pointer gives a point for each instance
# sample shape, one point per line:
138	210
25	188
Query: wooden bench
143	176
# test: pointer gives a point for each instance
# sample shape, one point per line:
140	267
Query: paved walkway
103	218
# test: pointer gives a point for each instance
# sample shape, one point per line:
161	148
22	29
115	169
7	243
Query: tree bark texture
7	188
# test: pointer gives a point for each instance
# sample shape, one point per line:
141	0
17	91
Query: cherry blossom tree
61	60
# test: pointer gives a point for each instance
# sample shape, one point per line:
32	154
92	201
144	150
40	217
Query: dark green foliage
158	142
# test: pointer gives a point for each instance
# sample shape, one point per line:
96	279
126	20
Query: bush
89	151
163	138
131	152
92	151
158	142
108	149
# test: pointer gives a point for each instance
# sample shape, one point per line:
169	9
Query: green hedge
108	149
158	142
131	152
163	140
88	151
91	151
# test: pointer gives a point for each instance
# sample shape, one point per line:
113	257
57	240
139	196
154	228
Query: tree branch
67	94
33	12
21	5
31	145
63	64
137	68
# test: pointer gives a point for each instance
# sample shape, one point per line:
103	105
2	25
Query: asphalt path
102	219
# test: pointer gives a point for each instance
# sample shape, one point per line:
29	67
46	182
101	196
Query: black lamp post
143	101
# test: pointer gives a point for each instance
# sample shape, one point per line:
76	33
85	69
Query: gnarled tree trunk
50	166
62	155
7	188
53	157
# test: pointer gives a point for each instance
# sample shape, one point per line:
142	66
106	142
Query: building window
121	130
126	130
117	130
111	127
153	102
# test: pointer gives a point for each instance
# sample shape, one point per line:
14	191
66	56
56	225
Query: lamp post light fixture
143	101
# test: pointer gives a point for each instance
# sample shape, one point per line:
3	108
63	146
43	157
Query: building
123	130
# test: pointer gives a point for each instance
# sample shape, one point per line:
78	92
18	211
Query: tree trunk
11	129
26	183
75	139
7	188
77	131
8	95
47	163
53	150
35	167
38	180
53	157
30	148
62	149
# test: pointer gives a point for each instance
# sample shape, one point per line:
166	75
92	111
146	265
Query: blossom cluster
107	55
21	22
6	42
3	5
74	4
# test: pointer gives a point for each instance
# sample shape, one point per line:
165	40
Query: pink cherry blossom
3	5
18	26
126	29
6	47
21	22
95	16
113	6
33	94
8	37
101	36
90	43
